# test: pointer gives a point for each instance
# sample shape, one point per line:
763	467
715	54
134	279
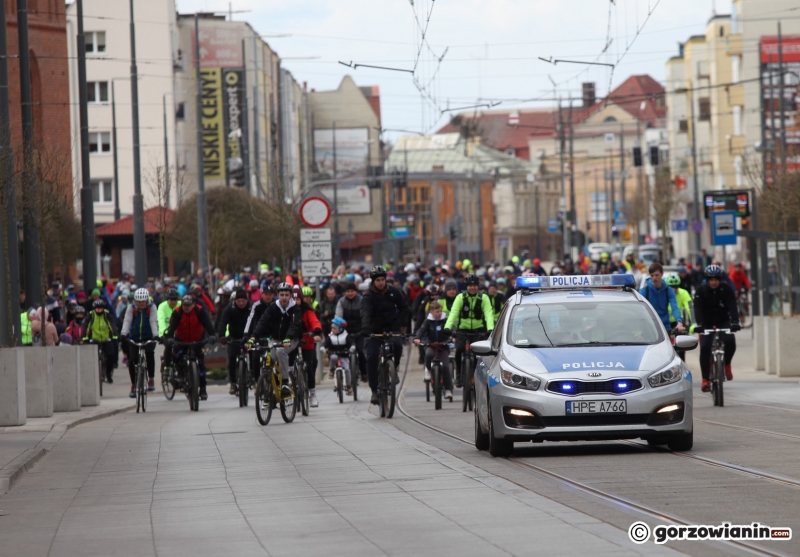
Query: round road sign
315	212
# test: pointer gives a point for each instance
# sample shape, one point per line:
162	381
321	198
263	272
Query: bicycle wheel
193	386
465	386
436	378
354	375
167	384
471	391
102	365
340	384
427	390
719	372
289	403
264	396
301	387
241	380
391	388
141	389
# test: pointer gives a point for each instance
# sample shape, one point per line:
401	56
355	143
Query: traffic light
637	156
654	156
745	223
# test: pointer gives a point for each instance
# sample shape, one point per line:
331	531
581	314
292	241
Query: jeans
705	352
373	349
444	357
285	358
150	358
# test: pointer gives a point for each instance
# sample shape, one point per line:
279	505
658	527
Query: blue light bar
576	281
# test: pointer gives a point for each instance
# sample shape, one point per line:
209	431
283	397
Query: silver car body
591	364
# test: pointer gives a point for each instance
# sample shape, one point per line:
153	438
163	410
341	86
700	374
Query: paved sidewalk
22	446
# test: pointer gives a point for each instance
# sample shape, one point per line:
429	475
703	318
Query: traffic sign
723	228
552	225
315	234
697	227
680	225
316	268
315	251
315	211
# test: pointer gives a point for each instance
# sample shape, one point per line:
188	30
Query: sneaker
286	392
427	374
313	401
232	390
132	394
109	379
728	373
458	381
448	395
330	374
203	394
151	385
374	399
348	390
706	386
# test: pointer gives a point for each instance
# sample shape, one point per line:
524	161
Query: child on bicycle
339	345
433	331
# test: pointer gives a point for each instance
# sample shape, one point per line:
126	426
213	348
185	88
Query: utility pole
166	156
608	184
139	239
117	214
336	253
573	217
31	243
564	241
622	166
782	105
88	246
9	289
697	238
538	225
202	215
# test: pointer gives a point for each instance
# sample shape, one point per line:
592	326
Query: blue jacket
661	299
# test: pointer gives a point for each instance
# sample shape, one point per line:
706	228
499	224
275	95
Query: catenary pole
202	216
139	239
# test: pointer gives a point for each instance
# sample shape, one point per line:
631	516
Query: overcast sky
492	46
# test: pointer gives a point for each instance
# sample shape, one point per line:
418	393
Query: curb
17	468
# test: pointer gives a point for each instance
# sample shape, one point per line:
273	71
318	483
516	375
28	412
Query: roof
495	132
630	94
124	226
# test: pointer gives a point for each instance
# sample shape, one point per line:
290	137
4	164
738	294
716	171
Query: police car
581	358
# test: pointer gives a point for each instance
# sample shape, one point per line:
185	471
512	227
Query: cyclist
140	325
232	324
662	298
100	327
740	279
450	295
339	345
497	299
685	305
433	330
189	323
349	309
308	343
282	321
383	310
165	310
75	327
715	306
473	314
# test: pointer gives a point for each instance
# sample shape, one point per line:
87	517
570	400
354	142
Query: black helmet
713	271
173	294
377	272
472	279
284	287
98	303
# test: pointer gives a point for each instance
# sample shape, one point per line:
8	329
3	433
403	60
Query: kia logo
594	374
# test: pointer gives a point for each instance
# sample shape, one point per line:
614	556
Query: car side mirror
483	348
685	342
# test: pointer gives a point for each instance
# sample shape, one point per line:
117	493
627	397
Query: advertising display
220	47
212	123
352	200
352	152
235	124
770	88
727	200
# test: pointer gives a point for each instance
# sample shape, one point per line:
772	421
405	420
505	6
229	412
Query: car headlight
517	379
672	374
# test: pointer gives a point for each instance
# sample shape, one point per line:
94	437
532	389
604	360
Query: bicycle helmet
307	291
377	272
672	280
187	300
98	304
284	287
141	295
173	294
472	279
713	271
432	289
79	310
339	322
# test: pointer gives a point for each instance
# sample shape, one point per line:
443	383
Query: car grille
595	420
611	386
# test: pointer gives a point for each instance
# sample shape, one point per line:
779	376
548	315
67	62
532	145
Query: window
180	111
102	192
97	91
705	109
610	119
99	142
510	152
683	125
737	120
95	42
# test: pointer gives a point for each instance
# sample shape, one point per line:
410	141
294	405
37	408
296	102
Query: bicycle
269	388
743	305
717	364
354	372
191	384
338	373
437	371
101	360
302	380
141	373
170	381
387	375
468	370
242	372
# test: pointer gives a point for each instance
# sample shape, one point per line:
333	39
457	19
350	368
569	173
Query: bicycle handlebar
198	344
715	330
388	335
142	344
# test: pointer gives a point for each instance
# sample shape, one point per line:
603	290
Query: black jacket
257	309
715	307
433	331
234	320
278	324
383	312
350	311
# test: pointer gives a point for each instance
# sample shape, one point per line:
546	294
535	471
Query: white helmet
141	295
410	268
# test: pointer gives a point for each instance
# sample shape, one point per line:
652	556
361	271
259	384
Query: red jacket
740	279
310	325
189	326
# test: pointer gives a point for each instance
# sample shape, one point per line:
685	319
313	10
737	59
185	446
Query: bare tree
161	191
280	215
663	199
636	210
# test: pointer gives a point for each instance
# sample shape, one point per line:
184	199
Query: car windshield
583	323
